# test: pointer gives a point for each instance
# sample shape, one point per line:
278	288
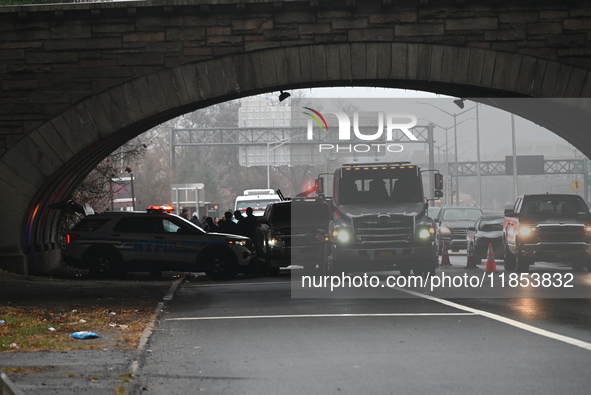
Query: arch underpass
51	148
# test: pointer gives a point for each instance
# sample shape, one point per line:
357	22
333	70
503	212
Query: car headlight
444	231
526	231
342	235
275	241
237	242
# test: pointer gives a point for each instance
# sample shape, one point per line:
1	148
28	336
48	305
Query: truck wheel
522	263
433	269
221	265
269	270
578	265
260	265
405	271
106	264
426	270
510	264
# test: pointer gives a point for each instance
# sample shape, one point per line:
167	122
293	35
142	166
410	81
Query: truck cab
380	220
295	232
547	227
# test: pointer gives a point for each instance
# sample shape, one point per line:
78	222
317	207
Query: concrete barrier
7	387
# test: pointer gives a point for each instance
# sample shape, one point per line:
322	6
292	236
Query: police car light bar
166	209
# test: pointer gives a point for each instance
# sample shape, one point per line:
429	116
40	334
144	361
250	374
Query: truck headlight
276	241
526	231
426	233
341	235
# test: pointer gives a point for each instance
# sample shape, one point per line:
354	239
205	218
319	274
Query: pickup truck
547	227
293	231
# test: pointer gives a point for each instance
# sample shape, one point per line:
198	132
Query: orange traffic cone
445	256
472	260
491	264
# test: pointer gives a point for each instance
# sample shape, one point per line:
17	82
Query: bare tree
104	182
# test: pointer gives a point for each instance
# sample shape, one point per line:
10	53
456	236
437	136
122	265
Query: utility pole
431	160
515	186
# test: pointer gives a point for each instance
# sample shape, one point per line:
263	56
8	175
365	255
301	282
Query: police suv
113	243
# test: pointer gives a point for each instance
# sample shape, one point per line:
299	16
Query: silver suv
452	225
114	243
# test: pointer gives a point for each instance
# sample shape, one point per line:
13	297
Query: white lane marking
470	310
505	320
238	317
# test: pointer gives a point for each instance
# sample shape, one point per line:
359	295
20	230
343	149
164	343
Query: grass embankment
35	329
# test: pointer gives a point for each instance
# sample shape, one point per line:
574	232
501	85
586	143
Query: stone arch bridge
79	80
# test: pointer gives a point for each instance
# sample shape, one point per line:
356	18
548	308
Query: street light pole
478	180
269	149
449	183
450	187
268	177
457	177
431	161
514	147
454	115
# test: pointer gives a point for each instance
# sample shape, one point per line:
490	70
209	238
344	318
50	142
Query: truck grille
395	230
459	233
561	233
306	238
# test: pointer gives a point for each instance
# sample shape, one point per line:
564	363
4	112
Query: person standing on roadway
227	225
211	226
247	225
195	219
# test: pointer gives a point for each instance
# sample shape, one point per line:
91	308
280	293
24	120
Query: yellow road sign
576	185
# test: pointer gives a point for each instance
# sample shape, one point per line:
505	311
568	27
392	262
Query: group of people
232	223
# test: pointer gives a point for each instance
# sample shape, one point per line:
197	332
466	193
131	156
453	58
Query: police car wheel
220	265
105	264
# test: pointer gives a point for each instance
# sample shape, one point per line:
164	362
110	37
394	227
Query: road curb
7	387
149	329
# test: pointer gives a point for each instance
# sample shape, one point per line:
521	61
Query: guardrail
7	387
